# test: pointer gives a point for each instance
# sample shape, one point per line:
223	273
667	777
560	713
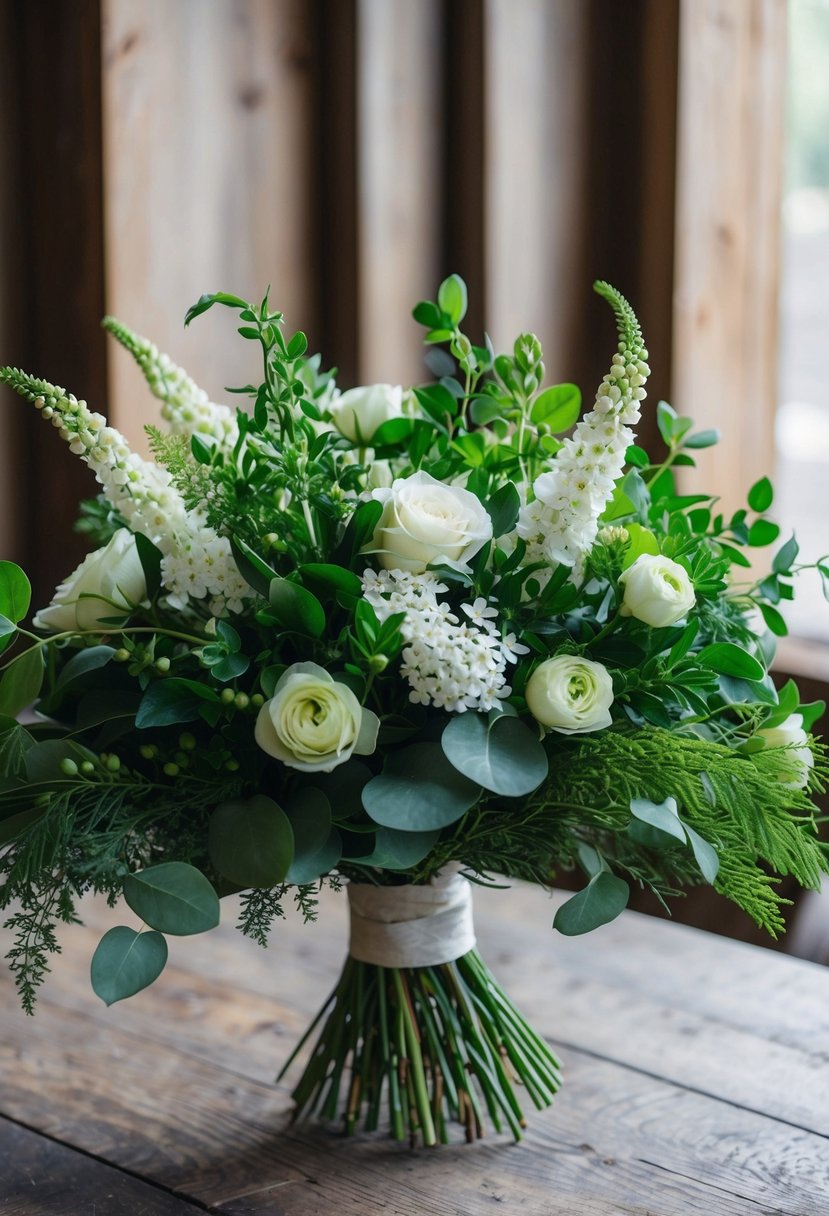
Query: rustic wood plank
729	175
209	171
211	1134
39	1177
536	72
166	1085
399	166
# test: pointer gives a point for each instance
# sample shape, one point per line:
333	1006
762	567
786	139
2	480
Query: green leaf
394	850
44	758
775	620
125	962
419	790
172	700
557	407
15	741
452	299
297	345
296	607
12	825
642	540
15	592
251	566
503	508
317	848
703	439
705	855
761	495
600	902
784	557
251	843
730	660
763	532
661	815
332	578
392	432
427	313
84	661
208	300
502	754
21	682
173	897
150	557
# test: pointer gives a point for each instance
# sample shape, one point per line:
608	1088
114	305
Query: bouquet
397	641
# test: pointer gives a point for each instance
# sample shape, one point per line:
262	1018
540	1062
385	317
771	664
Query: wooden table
697	1081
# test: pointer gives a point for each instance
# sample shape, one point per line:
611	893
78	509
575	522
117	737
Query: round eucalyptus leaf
661	815
173	897
125	962
309	866
15	592
251	842
601	901
419	791
503	755
394	850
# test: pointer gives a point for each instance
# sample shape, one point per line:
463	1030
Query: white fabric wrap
412	926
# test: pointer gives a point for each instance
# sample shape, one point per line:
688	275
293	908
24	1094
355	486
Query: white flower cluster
560	524
196	561
186	407
450	662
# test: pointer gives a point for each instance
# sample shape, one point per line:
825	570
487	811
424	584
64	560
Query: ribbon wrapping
412	926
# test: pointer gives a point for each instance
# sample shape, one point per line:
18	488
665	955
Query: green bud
182	759
377	663
228	696
113	764
121	656
87	768
68	767
232	766
241	700
170	769
148	751
257	700
270	539
162	665
187	742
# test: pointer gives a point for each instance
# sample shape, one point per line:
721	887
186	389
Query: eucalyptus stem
439	1045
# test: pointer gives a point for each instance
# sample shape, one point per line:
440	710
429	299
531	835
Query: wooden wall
351	153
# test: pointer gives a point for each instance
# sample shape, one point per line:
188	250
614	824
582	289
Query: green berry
68	767
148	751
228	696
187	742
121	656
257	700
87	768
241	700
170	769
162	665
113	764
232	766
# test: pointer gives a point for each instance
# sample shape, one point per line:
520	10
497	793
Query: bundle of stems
441	1043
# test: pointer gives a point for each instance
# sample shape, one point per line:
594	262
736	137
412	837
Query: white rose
797	759
658	591
360	412
107	583
424	520
570	695
313	723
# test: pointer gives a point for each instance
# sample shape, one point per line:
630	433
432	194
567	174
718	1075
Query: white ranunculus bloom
360	412
658	591
424	521
107	583
570	694
313	723
797	758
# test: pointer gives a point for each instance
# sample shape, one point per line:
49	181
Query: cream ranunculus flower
570	695
658	591
107	583
424	520
797	759
360	412
313	723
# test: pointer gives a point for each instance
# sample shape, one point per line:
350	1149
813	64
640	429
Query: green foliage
251	842
124	962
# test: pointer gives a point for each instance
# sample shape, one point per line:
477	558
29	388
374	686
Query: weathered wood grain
41	1178
174	1085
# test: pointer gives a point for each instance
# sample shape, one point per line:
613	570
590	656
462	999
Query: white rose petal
570	695
424	520
358	413
107	583
313	723
657	591
797	759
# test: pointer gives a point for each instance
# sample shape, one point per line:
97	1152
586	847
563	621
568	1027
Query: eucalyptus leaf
395	850
419	790
661	815
251	843
174	898
125	962
21	681
600	902
15	592
705	854
172	700
502	754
